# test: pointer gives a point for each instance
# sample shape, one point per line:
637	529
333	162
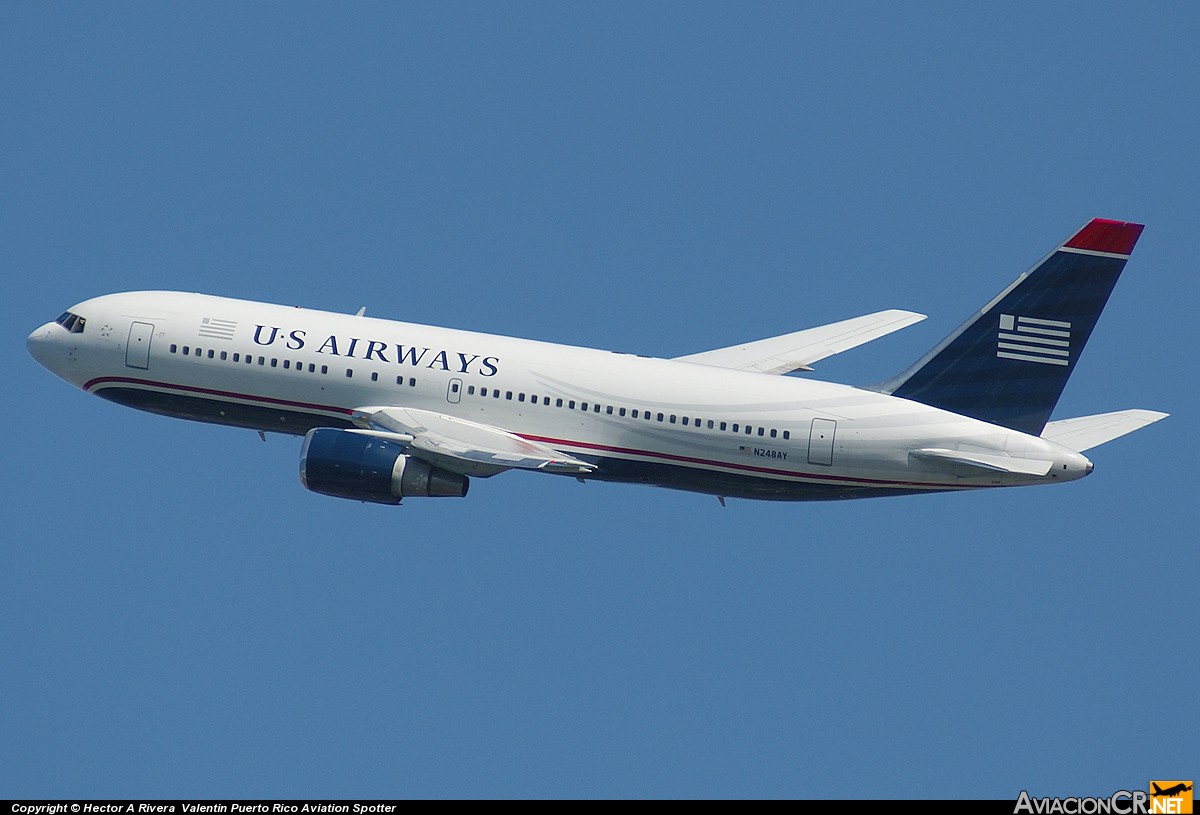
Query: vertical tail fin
1008	364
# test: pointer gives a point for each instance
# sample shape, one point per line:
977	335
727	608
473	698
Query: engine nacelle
363	467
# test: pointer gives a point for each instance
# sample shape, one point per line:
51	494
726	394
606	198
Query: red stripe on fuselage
94	384
747	467
91	384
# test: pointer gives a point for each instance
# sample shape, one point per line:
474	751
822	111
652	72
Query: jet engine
365	467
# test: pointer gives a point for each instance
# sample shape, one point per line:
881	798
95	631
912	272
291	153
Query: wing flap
464	446
1086	432
798	350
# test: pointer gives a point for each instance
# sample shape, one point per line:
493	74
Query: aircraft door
137	350
454	391
820	441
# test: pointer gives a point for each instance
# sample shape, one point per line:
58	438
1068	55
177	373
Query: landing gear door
137	350
820	441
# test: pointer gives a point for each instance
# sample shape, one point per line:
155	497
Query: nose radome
35	343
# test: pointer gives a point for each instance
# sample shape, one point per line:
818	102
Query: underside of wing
800	349
462	446
1086	432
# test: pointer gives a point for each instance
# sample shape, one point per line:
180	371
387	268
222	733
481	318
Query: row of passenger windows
633	413
275	362
497	393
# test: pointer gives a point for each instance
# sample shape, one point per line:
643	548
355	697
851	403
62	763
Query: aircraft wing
798	350
1086	432
463	446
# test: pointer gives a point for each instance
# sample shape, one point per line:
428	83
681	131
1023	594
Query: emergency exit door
820	441
137	350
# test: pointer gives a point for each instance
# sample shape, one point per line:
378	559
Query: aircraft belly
732	485
275	419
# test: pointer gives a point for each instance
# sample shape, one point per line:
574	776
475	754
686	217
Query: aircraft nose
37	342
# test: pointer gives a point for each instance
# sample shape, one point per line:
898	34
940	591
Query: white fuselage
644	420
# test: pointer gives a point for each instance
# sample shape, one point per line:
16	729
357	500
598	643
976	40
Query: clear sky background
180	618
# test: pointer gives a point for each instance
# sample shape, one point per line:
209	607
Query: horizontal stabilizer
1086	432
984	461
800	349
463	446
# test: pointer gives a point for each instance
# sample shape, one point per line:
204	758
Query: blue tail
1009	363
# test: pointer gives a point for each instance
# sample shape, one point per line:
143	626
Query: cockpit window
72	322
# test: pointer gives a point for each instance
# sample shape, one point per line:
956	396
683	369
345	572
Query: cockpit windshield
72	322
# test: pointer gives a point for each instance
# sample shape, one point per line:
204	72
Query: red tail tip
1103	235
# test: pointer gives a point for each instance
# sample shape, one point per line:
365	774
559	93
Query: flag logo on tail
1031	339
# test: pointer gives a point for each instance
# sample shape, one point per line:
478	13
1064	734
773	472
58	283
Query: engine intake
363	467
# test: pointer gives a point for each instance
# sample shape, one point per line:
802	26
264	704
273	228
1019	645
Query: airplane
1170	791
391	410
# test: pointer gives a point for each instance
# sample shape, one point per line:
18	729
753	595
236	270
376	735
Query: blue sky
182	619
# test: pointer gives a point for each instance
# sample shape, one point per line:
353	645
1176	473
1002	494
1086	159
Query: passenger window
375	378
546	401
748	429
621	412
470	390
735	427
635	413
533	400
571	404
608	410
583	406
710	424
772	432
760	431
186	350
274	362
224	355
262	360
722	425
174	348
349	372
660	417
324	369
312	369
508	395
787	434
287	363
198	352
558	402
595	408
237	357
